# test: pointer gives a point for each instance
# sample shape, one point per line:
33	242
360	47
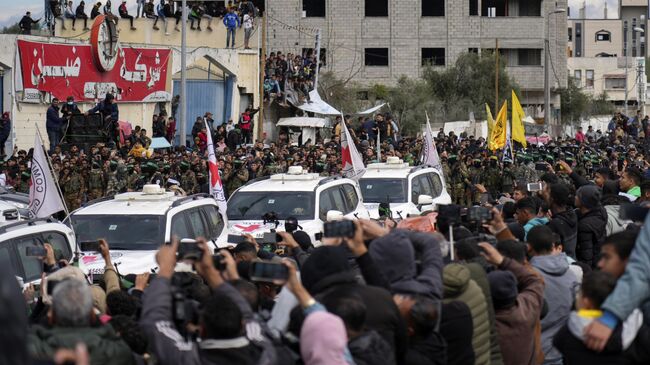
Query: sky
13	10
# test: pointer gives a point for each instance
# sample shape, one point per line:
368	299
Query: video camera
185	308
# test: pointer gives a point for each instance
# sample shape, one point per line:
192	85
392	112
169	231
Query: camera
344	228
89	246
189	250
450	214
185	309
268	272
217	260
479	214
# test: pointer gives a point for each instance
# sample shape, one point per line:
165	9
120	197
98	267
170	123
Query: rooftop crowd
556	275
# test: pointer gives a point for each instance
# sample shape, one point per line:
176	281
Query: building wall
603	67
202	46
592	47
346	32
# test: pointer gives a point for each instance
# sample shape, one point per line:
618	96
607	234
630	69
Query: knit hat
503	287
303	239
589	196
323	262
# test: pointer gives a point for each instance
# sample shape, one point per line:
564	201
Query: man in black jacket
592	224
564	221
80	13
26	22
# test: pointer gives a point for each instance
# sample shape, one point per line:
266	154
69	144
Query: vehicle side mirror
425	200
11	215
334	215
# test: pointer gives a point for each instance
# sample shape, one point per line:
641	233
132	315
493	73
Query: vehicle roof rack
329	179
98	200
421	167
190	198
30	222
258	179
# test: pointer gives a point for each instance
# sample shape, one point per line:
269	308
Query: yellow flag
498	137
518	130
490	121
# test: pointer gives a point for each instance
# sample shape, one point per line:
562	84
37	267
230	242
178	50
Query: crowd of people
289	78
234	14
558	273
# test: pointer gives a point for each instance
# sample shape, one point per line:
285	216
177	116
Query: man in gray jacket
560	283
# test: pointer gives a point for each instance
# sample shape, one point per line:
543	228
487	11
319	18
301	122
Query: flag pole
56	179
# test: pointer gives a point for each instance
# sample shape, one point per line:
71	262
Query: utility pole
547	66
260	118
183	125
496	76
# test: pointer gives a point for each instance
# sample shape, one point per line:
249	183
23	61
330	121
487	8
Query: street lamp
547	60
642	31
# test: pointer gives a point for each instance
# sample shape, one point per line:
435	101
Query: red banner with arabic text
140	74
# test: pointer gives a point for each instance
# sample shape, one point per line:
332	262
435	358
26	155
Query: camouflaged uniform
507	180
237	180
111	183
523	174
272	169
188	182
446	171
459	178
121	177
132	181
476	176
95	184
491	178
73	186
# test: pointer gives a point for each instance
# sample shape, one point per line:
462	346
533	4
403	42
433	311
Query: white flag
44	197
429	151
353	167
216	186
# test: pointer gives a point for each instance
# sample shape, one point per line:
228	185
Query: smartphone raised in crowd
532	187
188	249
236	239
344	228
541	166
270	272
88	246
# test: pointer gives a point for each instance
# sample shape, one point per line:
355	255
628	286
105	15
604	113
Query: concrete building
607	55
222	81
377	41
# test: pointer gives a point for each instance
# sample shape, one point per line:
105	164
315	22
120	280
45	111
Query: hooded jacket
565	224
315	350
395	255
592	228
456	328
558	291
382	314
516	323
371	349
612	204
459	286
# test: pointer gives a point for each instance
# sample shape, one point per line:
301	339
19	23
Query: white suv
307	197
409	190
16	237
136	224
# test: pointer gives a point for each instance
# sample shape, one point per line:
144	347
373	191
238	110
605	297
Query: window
351	198
577	77
473	7
309	52
603	36
383	190
570	34
529	57
6	259
197	224
437	184
214	220
253	205
433	56
363	95
314	8
126	232
526	8
179	227
433	7
59	243
494	8
589	75
472	50
376	8
32	266
376	56
615	83
421	185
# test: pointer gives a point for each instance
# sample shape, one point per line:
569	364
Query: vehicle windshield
122	232
383	190
253	205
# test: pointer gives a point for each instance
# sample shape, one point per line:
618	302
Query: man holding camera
229	333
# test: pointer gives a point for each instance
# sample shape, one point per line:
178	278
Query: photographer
228	331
